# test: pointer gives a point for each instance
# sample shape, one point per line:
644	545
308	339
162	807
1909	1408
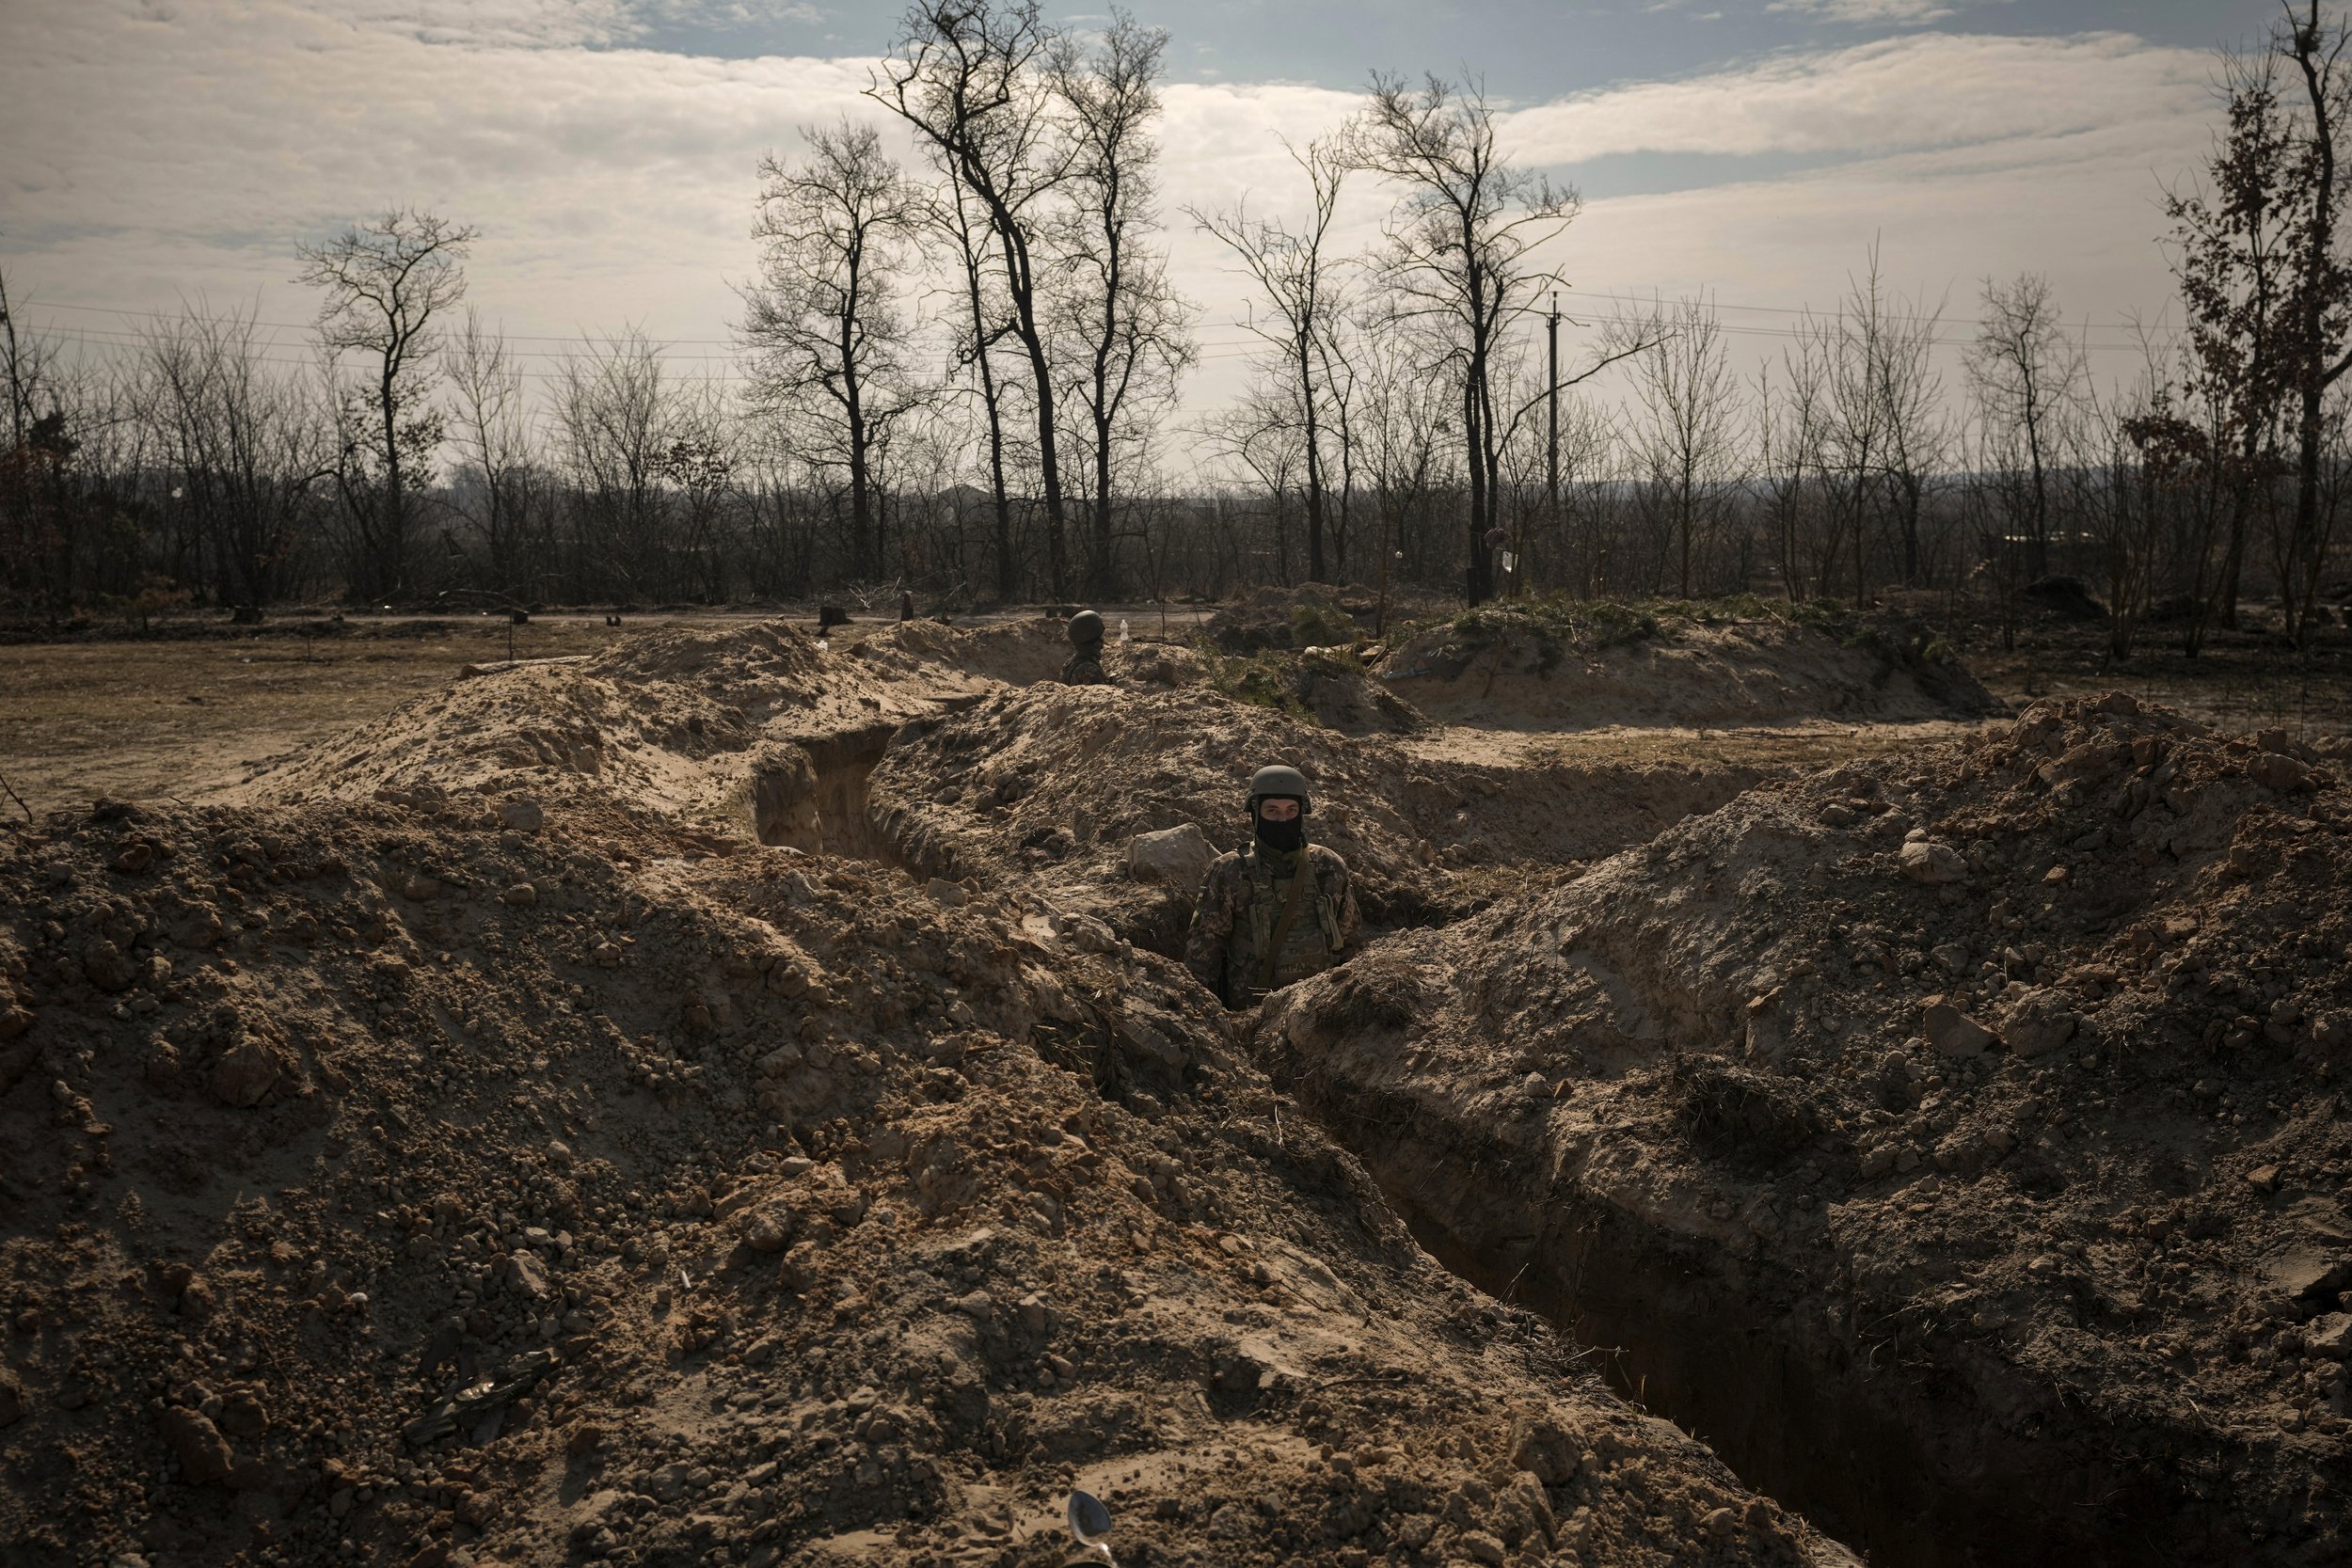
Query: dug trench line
1735	1350
812	793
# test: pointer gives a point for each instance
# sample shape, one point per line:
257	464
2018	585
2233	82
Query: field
692	1095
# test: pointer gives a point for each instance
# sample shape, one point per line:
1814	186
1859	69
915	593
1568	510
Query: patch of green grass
1315	624
1261	680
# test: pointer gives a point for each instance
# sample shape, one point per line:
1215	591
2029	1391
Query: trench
1741	1353
1741	1356
810	793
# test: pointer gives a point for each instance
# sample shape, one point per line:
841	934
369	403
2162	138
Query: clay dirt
701	1096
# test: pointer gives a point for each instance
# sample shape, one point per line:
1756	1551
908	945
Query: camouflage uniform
1241	903
1085	668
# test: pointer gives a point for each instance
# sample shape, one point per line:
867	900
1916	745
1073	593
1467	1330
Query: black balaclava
1281	837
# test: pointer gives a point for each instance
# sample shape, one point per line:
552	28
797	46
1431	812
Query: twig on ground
14	796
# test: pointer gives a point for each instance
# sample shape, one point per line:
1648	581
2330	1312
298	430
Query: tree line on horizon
958	376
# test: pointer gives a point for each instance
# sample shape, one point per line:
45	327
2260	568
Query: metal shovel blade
1089	1521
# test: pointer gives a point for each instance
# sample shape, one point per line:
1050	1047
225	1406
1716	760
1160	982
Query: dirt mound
2064	598
690	737
1566	666
1939	1134
1048	787
395	1187
1317	615
1330	686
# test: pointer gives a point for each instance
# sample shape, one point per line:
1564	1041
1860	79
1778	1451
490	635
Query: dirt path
191	718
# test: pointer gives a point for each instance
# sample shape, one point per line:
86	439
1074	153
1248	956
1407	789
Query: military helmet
1086	627
1276	779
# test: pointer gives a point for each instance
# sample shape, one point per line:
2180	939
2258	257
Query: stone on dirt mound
1177	856
2008	1253
758	1208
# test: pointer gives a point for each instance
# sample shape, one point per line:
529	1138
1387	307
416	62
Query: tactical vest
1307	949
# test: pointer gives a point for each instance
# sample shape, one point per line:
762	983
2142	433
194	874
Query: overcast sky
170	150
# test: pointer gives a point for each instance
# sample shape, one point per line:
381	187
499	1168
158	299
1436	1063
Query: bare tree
1408	435
699	465
37	521
492	432
987	322
826	325
1789	437
1128	325
2030	381
1260	436
2233	256
614	418
969	77
241	443
1298	281
387	283
2318	314
1460	249
1918	436
1686	434
1863	347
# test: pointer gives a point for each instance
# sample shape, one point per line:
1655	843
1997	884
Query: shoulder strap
1273	955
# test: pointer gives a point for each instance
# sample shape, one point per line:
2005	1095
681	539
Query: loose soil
196	717
2050	1273
466	1152
721	1098
1512	669
1053	782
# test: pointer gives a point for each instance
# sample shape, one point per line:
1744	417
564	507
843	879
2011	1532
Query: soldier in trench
1278	909
1085	665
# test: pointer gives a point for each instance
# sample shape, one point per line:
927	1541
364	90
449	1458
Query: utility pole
1551	412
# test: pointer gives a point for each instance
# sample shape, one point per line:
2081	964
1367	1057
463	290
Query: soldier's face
1277	810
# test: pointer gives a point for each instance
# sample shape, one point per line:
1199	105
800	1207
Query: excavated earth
1956	1141
1053	782
1506	668
567	1121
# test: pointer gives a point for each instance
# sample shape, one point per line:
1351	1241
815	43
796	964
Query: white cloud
183	150
1867	12
1922	90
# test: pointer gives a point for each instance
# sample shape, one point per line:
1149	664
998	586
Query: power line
131	342
584	338
577	341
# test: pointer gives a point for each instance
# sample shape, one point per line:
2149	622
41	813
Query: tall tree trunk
1479	586
1021	286
1315	466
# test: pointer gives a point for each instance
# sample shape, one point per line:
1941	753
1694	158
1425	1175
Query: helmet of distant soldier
1086	627
1278	781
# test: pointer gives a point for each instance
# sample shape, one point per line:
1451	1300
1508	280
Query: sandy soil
1981	1096
713	1097
467	1159
195	717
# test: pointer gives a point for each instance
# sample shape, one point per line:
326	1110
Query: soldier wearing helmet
1278	909
1085	666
